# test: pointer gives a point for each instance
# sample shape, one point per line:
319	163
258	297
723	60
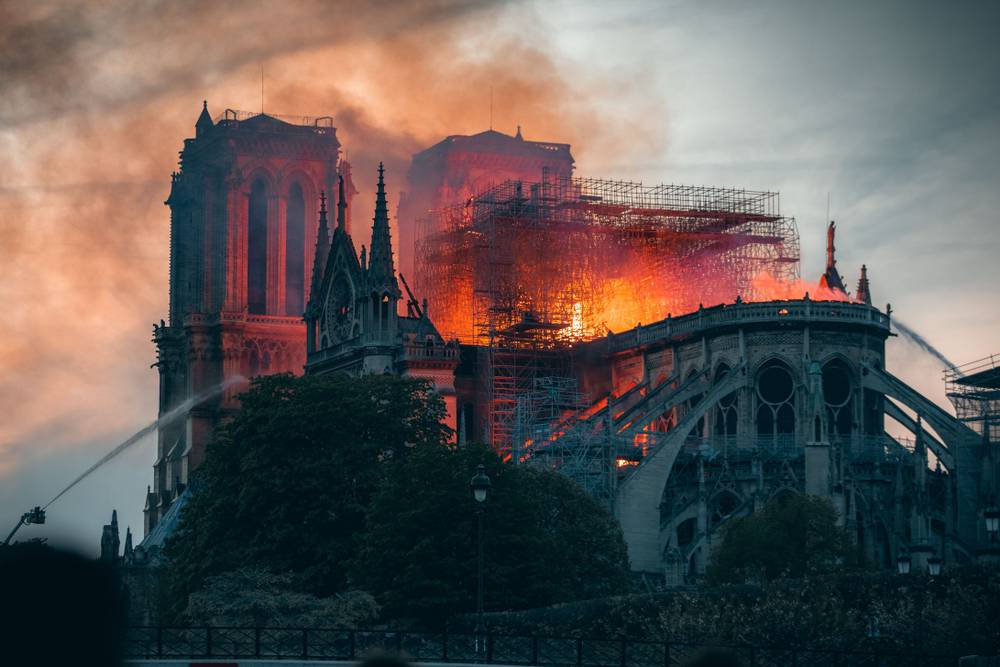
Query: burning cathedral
651	343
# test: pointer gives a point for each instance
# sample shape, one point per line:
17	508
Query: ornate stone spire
322	250
127	551
204	123
864	294
381	272
109	539
350	191
341	204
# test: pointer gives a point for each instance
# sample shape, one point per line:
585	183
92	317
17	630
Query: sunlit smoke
169	417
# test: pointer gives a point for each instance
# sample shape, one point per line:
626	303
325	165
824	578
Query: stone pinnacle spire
204	122
322	249
128	550
864	294
341	204
380	268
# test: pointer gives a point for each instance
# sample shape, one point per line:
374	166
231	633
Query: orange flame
768	288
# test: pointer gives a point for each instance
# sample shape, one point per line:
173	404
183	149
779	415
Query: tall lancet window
384	314
295	252
257	249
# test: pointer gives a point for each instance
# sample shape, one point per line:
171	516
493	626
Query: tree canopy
286	483
792	536
545	540
340	484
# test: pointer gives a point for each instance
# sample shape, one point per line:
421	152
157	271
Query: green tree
286	483
792	536
546	541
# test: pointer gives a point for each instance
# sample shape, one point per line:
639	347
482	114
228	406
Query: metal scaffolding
527	269
548	433
974	390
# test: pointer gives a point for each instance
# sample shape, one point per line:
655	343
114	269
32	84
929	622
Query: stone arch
384	304
295	249
840	391
692	403
257	246
723	505
775	392
685	532
260	169
259	193
725	415
300	197
782	493
253	363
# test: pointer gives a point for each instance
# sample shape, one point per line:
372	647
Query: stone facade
763	399
353	323
243	206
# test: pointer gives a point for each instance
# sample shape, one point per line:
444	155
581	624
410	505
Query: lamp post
934	566
480	489
992	517
903	564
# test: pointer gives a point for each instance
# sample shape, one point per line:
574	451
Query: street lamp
480	489
992	517
934	566
480	485
903	564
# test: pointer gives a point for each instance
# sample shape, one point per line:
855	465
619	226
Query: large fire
769	288
594	305
569	260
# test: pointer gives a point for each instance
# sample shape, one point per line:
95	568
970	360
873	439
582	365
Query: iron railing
493	648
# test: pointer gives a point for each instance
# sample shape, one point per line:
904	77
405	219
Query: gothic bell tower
243	211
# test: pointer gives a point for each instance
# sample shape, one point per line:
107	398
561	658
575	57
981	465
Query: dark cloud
100	56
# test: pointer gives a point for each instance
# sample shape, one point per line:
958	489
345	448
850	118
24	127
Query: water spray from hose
170	416
920	342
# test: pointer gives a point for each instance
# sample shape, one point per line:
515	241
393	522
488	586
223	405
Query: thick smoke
96	99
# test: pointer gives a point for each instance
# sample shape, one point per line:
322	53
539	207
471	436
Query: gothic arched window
257	249
699	428
726	411
384	313
775	402
295	251
837	393
722	506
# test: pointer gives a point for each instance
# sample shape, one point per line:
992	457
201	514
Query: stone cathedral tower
243	218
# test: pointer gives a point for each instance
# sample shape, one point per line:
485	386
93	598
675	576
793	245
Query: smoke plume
97	97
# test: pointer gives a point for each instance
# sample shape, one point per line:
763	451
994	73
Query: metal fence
334	644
